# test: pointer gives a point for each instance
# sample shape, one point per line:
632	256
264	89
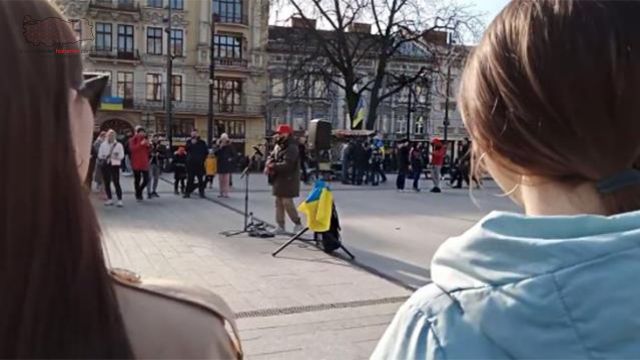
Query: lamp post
169	114
214	17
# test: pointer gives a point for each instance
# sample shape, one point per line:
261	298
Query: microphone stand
249	224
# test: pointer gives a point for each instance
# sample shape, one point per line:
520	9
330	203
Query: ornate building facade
131	42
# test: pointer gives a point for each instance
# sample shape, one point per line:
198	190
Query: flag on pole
359	117
318	207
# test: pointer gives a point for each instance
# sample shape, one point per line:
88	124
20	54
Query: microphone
257	150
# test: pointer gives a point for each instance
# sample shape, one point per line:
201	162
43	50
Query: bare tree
356	58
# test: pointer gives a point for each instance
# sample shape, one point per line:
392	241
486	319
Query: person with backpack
550	98
110	156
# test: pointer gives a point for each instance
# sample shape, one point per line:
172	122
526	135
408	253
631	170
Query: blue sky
490	7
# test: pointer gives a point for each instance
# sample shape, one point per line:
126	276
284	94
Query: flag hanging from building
111	103
359	117
318	207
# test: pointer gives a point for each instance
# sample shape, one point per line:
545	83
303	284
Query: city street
303	301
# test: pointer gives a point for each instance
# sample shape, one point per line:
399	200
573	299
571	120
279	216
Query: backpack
331	238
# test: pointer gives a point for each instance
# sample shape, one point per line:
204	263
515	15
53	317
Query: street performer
283	169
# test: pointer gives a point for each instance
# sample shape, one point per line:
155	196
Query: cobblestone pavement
301	303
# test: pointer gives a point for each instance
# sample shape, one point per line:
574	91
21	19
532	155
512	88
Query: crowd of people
366	162
194	165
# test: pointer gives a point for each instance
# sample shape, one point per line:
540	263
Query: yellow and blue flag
112	103
318	207
359	117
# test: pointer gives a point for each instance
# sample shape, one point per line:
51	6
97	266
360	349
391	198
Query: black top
196	153
157	153
403	158
225	157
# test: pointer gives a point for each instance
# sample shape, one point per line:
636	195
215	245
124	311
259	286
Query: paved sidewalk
303	303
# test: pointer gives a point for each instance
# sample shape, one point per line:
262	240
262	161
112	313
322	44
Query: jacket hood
554	287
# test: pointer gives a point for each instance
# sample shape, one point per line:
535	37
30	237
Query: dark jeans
402	173
192	175
356	176
415	174
111	174
374	174
140	175
303	172
179	181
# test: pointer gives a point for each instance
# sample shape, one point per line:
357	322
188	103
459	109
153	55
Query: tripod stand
316	235
249	224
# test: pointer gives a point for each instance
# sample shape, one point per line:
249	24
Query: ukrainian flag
359	114
112	103
318	207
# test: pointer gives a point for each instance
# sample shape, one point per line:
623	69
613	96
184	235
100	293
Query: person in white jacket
110	156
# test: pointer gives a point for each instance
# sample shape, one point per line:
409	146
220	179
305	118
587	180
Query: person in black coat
179	165
403	163
197	152
360	163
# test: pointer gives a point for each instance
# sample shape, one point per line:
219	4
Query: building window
103	36
176	85
319	89
452	105
154	41
125	40
229	11
177	41
154	3
125	87
234	128
277	87
227	94
401	125
226	46
299	88
418	126
177	4
154	87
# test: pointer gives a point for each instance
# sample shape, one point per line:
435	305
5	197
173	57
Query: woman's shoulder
166	319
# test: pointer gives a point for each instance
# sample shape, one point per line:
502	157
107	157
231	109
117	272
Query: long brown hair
552	91
56	298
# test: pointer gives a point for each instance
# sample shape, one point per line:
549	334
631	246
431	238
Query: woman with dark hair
57	297
550	98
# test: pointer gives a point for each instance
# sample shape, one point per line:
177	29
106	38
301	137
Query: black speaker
319	135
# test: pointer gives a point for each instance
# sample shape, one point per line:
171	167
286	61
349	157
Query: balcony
199	107
231	62
232	19
120	5
113	54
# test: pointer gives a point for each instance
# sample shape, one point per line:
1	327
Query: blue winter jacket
514	286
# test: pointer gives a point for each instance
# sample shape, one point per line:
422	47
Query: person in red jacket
140	150
437	160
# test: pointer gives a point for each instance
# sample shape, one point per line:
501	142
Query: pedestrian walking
283	168
110	156
557	282
225	156
126	163
360	163
179	164
402	156
437	160
197	152
97	170
376	166
415	156
156	163
211	168
140	149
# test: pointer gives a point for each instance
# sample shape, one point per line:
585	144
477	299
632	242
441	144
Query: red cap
284	129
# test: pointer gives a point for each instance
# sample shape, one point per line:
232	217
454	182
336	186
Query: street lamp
169	114
214	18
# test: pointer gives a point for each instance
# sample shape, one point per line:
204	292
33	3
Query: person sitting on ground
179	164
283	168
58	298
211	168
554	117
